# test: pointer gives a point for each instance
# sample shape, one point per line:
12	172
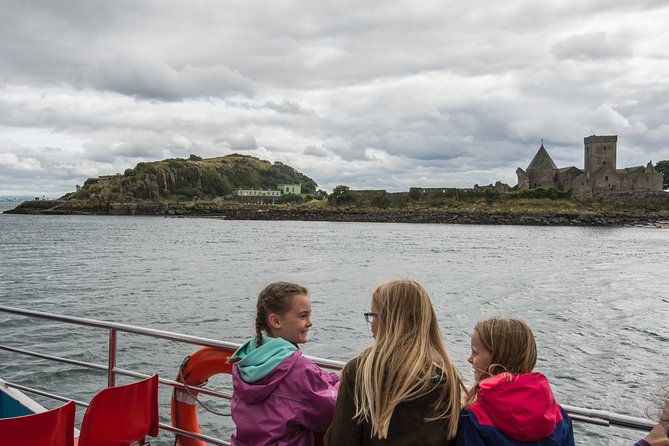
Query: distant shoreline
485	216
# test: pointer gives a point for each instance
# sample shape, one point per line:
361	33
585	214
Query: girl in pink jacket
280	397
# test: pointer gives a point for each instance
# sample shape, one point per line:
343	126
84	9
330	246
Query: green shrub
290	198
380	200
341	195
540	192
176	163
415	193
400	201
214	184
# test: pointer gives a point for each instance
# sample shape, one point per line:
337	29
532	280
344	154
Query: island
239	186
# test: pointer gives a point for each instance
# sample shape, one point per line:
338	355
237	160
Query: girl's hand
658	436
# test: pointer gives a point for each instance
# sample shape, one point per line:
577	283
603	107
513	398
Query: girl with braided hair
280	397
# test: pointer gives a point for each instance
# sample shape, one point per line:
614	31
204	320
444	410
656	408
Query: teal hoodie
257	362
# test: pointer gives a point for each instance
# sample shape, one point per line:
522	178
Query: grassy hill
188	179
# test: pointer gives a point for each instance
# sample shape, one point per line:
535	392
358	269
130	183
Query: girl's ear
274	321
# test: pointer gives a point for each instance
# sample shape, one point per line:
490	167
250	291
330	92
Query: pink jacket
514	410
295	399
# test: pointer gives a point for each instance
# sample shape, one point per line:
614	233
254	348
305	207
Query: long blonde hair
511	345
406	357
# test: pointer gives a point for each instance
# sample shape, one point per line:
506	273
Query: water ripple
595	297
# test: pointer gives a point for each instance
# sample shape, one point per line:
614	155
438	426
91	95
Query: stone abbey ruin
598	179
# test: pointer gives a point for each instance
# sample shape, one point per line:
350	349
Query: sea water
597	299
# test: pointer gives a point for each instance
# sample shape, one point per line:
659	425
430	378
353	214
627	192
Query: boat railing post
111	376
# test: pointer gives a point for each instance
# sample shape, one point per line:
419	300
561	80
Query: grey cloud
106	151
591	46
144	76
39	175
316	151
243	142
442	93
288	107
238	142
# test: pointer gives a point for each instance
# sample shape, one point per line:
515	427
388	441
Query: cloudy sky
371	94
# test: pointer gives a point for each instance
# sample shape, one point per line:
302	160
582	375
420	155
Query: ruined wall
523	179
566	180
541	178
633	199
255	199
581	185
641	179
604	179
366	197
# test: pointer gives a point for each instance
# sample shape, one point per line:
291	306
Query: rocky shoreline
449	217
659	219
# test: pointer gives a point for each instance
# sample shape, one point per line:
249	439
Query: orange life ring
196	370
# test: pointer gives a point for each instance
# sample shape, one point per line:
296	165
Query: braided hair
275	298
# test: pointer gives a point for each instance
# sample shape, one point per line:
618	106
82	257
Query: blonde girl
509	404
498	345
403	389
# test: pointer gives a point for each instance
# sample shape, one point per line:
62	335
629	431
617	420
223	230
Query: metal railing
578	414
111	368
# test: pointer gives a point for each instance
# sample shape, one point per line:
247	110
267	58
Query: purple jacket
283	408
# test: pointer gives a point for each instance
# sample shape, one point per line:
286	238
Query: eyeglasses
371	315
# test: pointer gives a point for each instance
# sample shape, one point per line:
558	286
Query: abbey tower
600	151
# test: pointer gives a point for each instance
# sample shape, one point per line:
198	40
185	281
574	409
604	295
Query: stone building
261	196
599	175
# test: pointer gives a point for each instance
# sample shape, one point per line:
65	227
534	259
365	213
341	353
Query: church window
606	178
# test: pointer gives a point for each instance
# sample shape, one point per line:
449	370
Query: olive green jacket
407	426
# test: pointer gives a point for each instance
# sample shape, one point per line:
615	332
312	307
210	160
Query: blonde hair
511	345
407	356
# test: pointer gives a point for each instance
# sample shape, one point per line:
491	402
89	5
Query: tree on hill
280	173
663	167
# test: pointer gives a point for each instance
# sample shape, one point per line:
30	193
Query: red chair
122	415
54	427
